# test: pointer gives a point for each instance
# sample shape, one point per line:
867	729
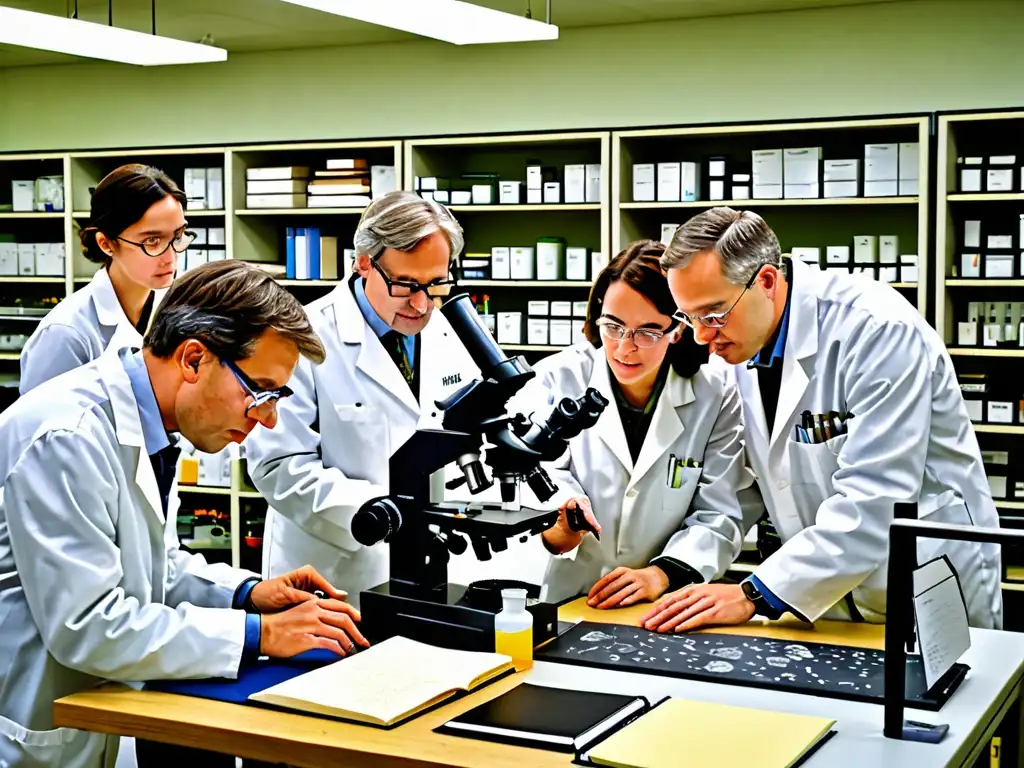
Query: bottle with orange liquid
513	626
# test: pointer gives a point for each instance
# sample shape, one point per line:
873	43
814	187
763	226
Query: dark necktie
165	464
394	343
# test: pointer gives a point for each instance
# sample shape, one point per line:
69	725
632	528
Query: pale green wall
901	57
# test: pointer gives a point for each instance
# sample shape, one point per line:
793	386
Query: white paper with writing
942	630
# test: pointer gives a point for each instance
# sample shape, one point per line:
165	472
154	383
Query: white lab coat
88	589
329	452
78	330
699	523
854	345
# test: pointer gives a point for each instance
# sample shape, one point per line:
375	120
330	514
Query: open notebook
386	683
736	737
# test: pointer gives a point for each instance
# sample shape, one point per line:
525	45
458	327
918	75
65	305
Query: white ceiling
262	25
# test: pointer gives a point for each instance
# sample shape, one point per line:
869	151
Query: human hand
625	586
699	605
295	587
314	623
561	537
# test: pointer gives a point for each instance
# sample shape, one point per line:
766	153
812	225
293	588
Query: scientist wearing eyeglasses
660	476
851	405
390	357
137	229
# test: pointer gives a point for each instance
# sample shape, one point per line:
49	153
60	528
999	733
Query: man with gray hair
851	406
390	357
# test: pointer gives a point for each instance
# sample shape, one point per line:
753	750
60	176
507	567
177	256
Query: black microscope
418	602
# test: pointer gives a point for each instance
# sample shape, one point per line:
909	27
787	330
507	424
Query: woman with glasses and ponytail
659	479
136	231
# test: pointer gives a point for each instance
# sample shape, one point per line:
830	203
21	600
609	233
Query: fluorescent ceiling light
28	29
450	20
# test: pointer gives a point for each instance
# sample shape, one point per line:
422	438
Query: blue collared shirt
156	439
377	323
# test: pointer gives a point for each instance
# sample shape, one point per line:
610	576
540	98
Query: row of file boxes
581	183
796	173
549	259
547	323
991	173
992	249
39	259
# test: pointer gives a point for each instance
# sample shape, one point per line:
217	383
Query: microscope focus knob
377	520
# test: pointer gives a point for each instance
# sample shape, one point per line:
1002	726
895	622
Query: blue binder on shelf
289	259
252	678
313	246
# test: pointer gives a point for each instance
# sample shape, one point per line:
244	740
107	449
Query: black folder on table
547	718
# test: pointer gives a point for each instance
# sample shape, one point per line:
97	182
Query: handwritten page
942	629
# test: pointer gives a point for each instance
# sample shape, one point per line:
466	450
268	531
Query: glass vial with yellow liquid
513	626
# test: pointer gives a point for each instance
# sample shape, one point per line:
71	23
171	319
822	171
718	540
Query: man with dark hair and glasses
851	406
93	586
390	357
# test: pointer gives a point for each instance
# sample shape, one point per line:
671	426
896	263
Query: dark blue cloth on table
252	678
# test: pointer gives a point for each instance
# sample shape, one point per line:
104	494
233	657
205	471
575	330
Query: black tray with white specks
817	669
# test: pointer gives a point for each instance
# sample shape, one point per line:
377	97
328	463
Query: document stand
899	626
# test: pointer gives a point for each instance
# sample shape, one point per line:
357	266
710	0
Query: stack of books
279	187
344	184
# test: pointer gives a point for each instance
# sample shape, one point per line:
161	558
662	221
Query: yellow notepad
736	737
387	682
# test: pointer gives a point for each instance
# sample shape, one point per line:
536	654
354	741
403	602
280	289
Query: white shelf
999	429
985	352
31	215
523	208
10	355
1004	504
979	197
299	211
531	348
250	495
751	202
903	285
211	489
953	282
526	283
31	279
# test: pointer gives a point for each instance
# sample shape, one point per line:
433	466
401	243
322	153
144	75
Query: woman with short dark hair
659	476
136	230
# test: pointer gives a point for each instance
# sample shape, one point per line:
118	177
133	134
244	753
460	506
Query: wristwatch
761	605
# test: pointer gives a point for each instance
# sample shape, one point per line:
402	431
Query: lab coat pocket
676	501
33	749
811	468
359	443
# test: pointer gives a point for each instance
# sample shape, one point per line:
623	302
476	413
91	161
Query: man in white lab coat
390	357
851	405
89	589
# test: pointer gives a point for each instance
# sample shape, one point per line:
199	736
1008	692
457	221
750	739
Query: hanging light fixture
28	29
452	21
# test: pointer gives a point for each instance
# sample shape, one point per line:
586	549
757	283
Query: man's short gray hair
742	240
401	220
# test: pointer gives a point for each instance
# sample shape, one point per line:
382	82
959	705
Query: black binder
558	719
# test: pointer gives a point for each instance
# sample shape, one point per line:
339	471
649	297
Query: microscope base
443	616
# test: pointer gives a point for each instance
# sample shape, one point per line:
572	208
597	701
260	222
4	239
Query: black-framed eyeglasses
404	288
264	401
715	319
156	245
642	337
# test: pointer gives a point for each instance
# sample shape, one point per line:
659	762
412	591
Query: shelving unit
521	224
835	221
982	135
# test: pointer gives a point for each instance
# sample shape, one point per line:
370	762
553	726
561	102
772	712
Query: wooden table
264	734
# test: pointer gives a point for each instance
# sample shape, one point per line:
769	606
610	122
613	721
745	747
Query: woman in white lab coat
660	475
136	230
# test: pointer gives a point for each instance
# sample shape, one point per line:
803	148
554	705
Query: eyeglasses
405	288
642	337
716	319
156	245
264	401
